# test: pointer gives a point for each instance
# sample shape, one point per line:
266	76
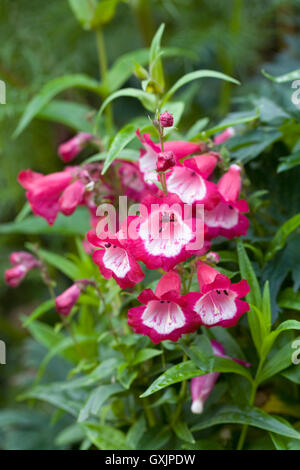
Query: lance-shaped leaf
194	76
248	415
50	90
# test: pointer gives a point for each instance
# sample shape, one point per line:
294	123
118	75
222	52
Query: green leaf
83	11
154	438
244	415
227	365
176	108
145	354
39	311
156	69
123	68
96	400
76	224
278	362
70	435
254	296
61	263
48	92
197	128
269	340
279	240
241	118
292	374
122	138
187	370
289	162
266	308
230	344
182	432
284	443
201	353
194	76
136	432
73	115
246	147
183	371
287	77
104	13
148	100
59	399
289	299
105	437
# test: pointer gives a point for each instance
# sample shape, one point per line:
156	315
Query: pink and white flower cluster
165	237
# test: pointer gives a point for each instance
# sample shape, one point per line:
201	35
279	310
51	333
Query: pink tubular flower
227	134
166	119
218	302
43	192
66	301
202	386
188	183
132	180
226	217
15	275
71	197
115	260
163	315
165	161
22	262
70	149
165	233
148	155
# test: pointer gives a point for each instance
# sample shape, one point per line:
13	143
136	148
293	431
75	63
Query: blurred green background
42	40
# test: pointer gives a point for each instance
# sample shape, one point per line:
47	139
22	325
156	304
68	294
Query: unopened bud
166	119
165	160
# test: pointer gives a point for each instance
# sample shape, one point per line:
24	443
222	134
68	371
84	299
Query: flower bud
165	160
22	257
212	257
14	276
166	119
66	301
70	149
227	134
22	262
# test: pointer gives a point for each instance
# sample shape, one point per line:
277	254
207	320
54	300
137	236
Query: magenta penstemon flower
226	217
132	180
66	301
218	303
165	233
225	135
43	192
114	259
188	181
202	386
71	148
148	155
22	262
164	314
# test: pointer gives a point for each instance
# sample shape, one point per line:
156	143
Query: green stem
149	413
103	72
181	399
251	402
